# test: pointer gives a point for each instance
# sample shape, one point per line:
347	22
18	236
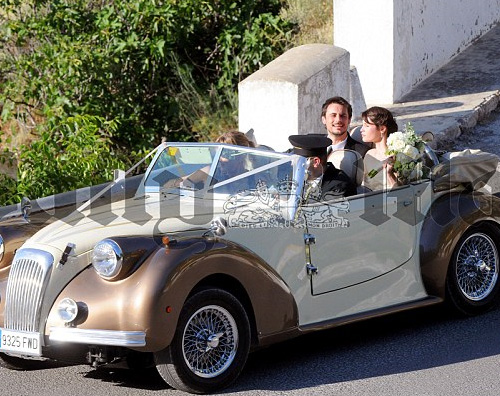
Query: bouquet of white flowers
407	149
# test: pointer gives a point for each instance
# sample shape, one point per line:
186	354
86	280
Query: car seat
351	163
356	135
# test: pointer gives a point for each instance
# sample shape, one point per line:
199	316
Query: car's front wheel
210	346
473	275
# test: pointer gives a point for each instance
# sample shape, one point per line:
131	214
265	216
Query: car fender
449	217
14	233
151	298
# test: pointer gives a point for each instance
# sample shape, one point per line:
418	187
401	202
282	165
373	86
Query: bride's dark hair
380	116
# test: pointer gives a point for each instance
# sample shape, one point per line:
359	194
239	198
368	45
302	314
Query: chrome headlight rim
108	270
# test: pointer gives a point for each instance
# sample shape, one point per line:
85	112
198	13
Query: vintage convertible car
219	252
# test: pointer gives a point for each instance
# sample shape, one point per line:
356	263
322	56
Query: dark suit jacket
336	183
352	144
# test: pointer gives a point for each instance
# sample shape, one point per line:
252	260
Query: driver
324	180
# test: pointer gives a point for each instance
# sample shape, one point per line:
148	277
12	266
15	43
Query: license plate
20	342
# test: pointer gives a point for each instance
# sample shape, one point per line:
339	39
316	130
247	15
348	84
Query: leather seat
356	135
350	162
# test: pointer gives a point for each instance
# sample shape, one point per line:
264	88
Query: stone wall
395	44
285	96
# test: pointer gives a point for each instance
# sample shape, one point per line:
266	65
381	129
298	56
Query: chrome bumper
98	337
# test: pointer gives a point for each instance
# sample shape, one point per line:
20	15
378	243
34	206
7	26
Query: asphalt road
422	352
426	352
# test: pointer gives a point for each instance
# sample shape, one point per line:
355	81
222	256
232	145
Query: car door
360	239
261	217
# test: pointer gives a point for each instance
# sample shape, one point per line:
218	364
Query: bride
378	124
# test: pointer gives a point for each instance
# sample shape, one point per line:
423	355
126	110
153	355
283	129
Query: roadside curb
479	112
445	138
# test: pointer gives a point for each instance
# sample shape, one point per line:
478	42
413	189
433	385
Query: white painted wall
285	97
395	44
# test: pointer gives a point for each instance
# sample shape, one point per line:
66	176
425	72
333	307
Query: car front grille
28	279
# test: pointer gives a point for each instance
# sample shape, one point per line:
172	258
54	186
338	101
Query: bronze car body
208	261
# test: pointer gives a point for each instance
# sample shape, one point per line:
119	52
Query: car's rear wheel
473	275
210	346
16	363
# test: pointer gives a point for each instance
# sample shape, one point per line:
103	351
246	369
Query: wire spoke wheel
210	341
477	266
472	285
210	346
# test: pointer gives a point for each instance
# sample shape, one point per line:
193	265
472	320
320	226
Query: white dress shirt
338	146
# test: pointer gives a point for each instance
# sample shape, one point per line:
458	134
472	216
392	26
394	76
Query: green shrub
125	59
68	155
157	68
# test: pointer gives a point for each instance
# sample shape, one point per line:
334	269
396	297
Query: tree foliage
132	60
68	155
149	68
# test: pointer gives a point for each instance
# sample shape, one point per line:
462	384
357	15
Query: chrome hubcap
213	341
210	341
477	266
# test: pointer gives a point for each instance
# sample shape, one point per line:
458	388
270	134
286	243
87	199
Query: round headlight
67	310
107	258
2	247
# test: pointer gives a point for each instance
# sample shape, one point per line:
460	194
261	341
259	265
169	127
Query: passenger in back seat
378	124
336	115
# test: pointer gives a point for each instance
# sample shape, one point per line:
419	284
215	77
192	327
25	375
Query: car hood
146	216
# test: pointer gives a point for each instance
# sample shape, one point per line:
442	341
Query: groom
336	115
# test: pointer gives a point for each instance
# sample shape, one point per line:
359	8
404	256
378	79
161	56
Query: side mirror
26	207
